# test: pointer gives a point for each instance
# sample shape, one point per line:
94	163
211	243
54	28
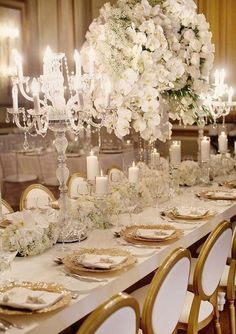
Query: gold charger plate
42	286
70	260
129	234
210	195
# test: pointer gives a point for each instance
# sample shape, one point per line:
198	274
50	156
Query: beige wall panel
82	20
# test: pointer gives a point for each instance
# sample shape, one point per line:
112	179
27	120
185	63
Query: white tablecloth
42	267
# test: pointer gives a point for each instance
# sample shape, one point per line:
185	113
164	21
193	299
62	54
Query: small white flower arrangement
30	233
188	173
219	167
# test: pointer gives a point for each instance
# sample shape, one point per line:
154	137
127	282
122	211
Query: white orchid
155	52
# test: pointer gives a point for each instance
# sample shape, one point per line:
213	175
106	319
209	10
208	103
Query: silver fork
8	324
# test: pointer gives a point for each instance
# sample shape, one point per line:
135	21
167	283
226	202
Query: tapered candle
35	91
133	174
223	142
101	184
205	149
92	166
77	59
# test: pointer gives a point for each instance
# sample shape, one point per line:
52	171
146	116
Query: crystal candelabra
61	102
220	102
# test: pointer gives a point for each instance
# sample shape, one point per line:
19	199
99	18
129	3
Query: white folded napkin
191	212
222	194
154	233
24	298
100	261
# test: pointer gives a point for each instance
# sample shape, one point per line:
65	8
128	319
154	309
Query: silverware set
7	324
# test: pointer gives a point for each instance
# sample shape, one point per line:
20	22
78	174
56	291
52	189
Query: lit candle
92	166
18	61
175	152
217	77
15	98
47	59
155	158
205	149
108	89
35	92
133	174
230	94
101	184
91	57
223	142
77	70
222	77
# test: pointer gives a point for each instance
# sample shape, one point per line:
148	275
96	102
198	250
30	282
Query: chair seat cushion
20	178
206	309
140	295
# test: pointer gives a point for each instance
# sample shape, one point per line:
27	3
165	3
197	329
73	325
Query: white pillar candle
155	158
92	166
205	149
133	174
35	92
223	142
175	152
101	185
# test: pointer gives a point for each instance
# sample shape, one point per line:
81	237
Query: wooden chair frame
98	317
31	187
193	326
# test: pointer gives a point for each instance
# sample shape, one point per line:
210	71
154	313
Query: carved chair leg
232	316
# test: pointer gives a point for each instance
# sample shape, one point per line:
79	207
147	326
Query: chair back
166	294
77	185
36	196
115	175
6	208
118	315
211	261
233	255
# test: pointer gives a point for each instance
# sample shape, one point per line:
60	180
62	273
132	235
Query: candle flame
91	152
133	164
155	150
101	172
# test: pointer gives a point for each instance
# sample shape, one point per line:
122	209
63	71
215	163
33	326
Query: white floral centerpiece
216	167
30	233
188	173
158	54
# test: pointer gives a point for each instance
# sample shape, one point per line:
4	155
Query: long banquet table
42	267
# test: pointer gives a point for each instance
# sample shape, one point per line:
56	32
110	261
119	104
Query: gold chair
162	300
201	305
6	208
36	195
119	315
115	174
228	284
77	185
